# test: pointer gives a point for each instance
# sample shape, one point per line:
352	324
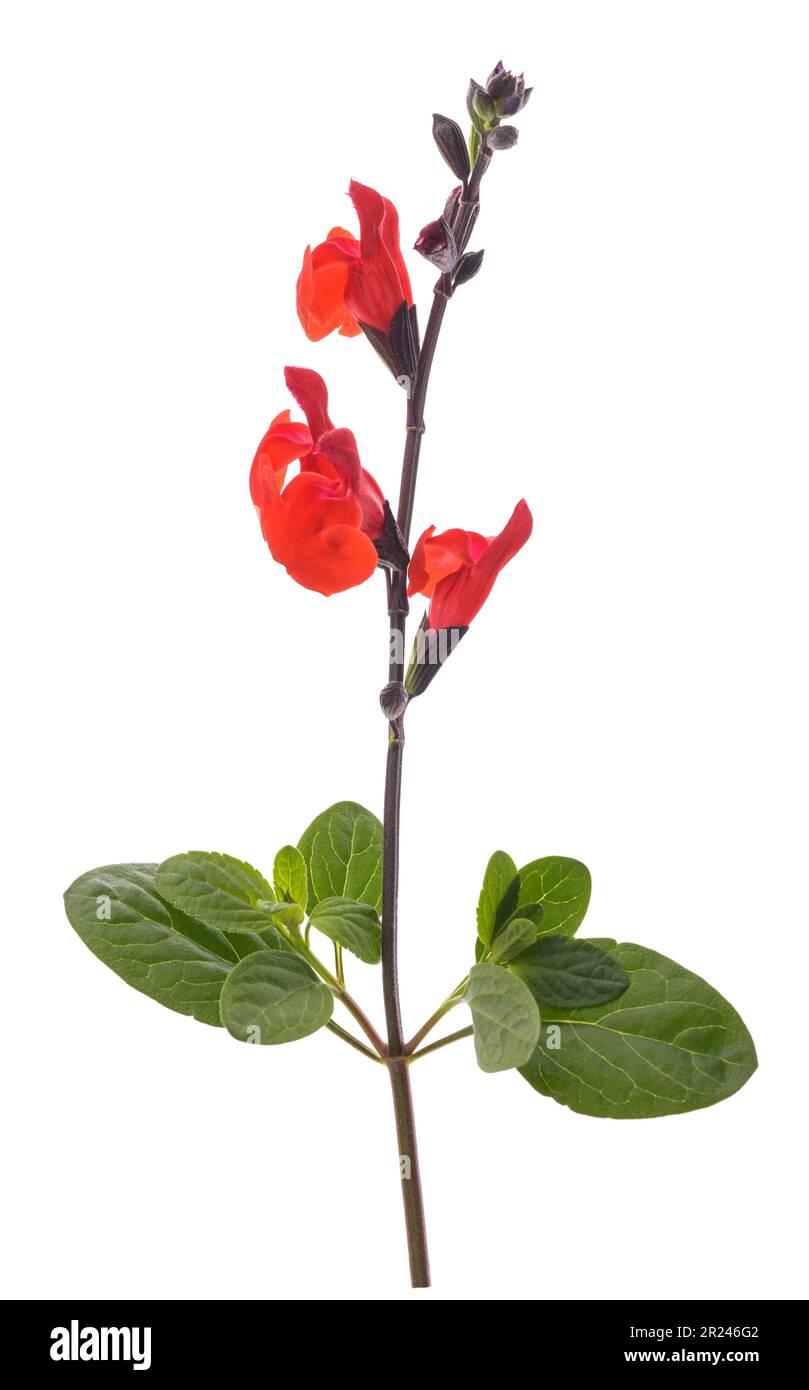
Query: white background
633	361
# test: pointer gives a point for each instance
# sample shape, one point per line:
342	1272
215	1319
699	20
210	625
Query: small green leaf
290	879
562	886
288	915
498	896
153	946
274	997
351	924
505	1018
570	974
516	936
343	853
671	1043
217	889
530	912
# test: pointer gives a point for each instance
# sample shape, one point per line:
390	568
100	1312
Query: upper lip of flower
457	569
345	282
379	283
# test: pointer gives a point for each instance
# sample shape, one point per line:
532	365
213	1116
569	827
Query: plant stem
442	1042
345	998
449	1003
352	1041
365	1024
409	1173
409	1170
397	610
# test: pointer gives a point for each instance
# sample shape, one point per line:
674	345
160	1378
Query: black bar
239	1338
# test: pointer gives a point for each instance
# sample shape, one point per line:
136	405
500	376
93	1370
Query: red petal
313	530
379	285
309	390
436	557
339	449
285	441
321	286
460	597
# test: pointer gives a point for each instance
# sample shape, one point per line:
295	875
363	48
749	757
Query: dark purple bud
450	140
437	244
495	72
504	137
393	698
480	107
504	85
510	106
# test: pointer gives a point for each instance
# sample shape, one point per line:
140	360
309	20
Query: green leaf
562	886
570	974
498	896
530	912
516	936
351	924
343	853
505	1018
290	879
153	946
287	915
217	889
671	1043
274	997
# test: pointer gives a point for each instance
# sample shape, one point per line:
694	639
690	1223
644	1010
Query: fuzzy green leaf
290	880
217	889
152	945
498	896
274	997
562	886
568	973
669	1044
343	853
352	925
516	936
505	1018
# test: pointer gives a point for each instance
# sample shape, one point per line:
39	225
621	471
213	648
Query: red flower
321	527
379	284
457	569
322	284
345	282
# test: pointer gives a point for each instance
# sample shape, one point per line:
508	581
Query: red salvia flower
378	284
457	569
322	525
345	282
334	450
322	285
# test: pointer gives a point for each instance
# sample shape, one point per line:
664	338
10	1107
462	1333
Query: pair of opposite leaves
665	1043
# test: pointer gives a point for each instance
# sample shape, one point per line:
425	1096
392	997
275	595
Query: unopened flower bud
393	698
507	91
503	138
437	244
510	106
480	106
